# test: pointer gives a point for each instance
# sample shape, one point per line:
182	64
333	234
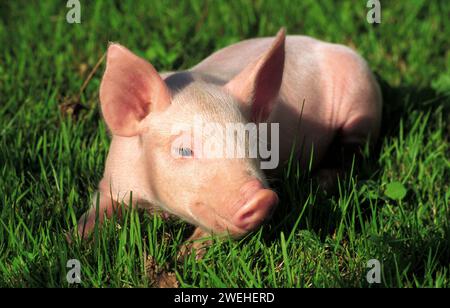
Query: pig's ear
258	84
130	89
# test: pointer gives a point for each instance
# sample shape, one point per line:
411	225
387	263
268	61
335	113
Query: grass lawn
53	145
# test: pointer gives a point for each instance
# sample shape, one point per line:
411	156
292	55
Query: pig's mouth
255	205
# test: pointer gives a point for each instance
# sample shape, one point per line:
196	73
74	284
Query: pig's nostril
255	210
247	215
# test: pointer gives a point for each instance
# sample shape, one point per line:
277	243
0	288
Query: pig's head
219	194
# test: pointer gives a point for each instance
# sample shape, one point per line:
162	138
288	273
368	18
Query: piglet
304	90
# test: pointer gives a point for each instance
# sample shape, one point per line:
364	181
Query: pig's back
301	83
303	77
317	81
226	63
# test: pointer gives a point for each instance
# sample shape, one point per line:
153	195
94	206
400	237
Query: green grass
50	163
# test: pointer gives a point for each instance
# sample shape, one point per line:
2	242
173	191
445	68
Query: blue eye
185	152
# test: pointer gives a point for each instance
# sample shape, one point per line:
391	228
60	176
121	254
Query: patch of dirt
71	107
167	280
159	278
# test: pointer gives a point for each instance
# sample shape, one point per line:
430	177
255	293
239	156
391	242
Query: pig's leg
346	152
339	160
358	119
107	207
197	243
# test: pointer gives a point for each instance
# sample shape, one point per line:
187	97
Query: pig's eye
185	152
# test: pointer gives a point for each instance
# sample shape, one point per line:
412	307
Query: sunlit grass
51	162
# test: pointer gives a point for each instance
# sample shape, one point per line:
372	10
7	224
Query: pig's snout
254	204
259	205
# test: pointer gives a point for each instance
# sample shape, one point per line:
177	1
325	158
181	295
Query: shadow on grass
302	196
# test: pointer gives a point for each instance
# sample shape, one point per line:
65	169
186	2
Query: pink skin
260	80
